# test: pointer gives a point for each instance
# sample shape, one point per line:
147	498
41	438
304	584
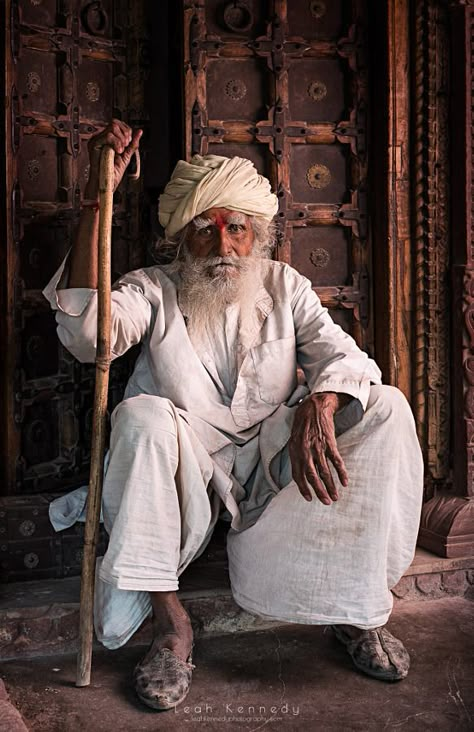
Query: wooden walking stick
94	496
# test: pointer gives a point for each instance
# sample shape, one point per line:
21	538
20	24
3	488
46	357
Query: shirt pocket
275	369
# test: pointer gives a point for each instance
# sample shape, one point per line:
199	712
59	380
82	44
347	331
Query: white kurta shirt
219	351
290	328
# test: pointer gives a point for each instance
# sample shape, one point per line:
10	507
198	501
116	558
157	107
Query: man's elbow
83	349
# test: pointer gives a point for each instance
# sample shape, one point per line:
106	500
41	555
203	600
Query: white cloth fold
310	563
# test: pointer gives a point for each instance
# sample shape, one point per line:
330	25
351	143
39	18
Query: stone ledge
435	585
425	562
42	617
53	629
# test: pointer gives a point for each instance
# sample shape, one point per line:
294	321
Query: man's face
219	232
219	267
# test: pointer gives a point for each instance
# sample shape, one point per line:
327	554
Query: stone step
42	617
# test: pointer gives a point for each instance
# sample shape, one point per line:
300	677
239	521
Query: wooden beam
399	330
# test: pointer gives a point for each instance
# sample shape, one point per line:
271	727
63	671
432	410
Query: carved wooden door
284	83
71	66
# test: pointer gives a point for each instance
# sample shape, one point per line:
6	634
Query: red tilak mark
220	222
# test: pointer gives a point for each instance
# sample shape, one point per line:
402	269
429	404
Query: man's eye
206	231
235	228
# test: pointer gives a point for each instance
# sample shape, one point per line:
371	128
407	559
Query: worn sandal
164	681
377	653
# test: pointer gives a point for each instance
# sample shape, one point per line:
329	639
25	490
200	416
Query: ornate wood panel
447	524
71	66
285	84
431	238
30	549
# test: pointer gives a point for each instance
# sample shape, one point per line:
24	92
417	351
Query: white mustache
218	265
232	261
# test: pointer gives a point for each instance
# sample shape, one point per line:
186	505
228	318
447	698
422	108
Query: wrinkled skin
124	141
313	443
222	237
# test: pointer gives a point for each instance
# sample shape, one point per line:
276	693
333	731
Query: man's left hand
313	443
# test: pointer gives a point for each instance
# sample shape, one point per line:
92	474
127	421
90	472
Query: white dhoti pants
310	563
300	562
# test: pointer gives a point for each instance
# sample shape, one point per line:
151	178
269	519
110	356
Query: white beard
208	286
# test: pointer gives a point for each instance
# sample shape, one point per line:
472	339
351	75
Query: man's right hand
123	140
83	266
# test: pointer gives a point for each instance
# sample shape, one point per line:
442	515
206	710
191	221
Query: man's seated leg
163	677
376	652
334	565
157	525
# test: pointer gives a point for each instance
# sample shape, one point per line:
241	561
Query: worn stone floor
288	678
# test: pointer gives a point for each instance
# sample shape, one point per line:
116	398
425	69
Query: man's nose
223	243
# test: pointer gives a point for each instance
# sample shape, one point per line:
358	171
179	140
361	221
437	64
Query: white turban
213	181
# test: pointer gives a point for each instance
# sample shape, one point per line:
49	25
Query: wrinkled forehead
219	217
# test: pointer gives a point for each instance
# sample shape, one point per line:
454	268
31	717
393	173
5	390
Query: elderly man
321	483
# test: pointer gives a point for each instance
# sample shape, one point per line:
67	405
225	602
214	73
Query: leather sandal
164	680
377	653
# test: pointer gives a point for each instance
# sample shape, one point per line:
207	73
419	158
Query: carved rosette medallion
317	9
317	90
318	176
27	528
33	169
320	258
33	82
31	560
235	89
92	91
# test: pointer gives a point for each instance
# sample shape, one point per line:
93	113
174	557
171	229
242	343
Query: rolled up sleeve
329	357
76	314
71	301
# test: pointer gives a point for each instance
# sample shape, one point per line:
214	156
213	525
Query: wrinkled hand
123	140
313	443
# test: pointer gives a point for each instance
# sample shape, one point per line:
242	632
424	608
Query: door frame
425	265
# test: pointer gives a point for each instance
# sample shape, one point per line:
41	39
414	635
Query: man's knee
146	413
389	401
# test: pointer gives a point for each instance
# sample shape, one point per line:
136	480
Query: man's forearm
334	399
83	259
83	265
